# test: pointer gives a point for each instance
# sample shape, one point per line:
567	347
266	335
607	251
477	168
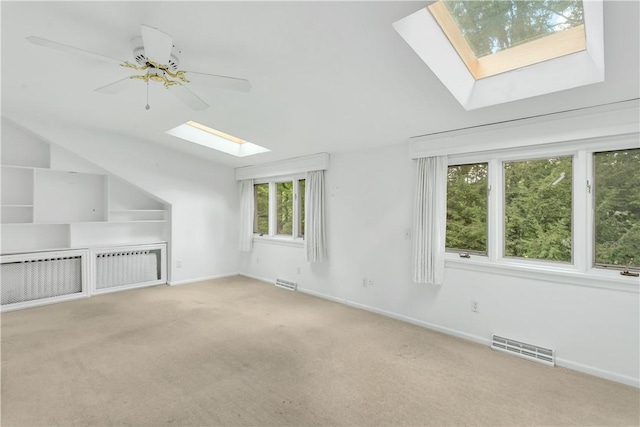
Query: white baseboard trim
42	302
412	320
200	279
597	372
262	279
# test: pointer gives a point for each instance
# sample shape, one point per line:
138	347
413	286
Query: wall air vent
285	284
527	351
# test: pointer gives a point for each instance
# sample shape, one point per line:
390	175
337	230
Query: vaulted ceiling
326	76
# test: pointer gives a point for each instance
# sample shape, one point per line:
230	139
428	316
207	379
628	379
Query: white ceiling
326	76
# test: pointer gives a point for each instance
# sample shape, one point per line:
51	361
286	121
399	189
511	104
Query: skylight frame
423	33
543	49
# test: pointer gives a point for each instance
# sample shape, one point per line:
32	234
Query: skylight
215	139
493	37
490	52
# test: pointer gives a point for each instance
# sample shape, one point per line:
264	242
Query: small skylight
494	37
215	139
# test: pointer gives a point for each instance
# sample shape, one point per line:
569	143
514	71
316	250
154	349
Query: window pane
261	217
617	207
492	26
301	188
284	208
538	209
467	207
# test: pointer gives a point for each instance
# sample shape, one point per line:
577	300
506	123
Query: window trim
271	236
582	270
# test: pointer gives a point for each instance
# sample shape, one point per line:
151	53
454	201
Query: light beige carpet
241	352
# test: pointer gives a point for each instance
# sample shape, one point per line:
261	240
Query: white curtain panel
246	215
430	220
314	228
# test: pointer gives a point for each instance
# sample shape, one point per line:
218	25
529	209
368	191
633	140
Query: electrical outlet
298	270
178	264
475	307
364	282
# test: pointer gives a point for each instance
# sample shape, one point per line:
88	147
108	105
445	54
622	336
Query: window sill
594	278
279	240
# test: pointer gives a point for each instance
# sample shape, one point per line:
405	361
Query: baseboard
597	372
201	279
262	279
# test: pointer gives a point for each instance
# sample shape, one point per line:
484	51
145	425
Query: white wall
203	195
369	207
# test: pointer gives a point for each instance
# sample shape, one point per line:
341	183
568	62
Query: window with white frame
616	205
571	205
537	209
279	207
467	208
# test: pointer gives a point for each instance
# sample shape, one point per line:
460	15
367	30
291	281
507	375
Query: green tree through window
284	208
261	218
492	26
467	207
617	207
537	203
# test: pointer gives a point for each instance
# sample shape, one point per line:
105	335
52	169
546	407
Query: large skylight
488	52
493	37
215	139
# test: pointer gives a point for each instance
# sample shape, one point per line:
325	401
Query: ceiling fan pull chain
147	106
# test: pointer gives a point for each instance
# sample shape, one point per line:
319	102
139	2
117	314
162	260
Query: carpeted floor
237	351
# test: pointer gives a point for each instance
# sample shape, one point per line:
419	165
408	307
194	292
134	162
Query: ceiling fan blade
66	48
157	45
191	99
115	87
224	82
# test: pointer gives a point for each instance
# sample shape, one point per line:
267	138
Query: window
617	208
279	208
284	208
562	210
493	37
261	221
537	206
467	208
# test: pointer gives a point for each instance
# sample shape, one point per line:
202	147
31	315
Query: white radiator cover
32	279
126	268
37	279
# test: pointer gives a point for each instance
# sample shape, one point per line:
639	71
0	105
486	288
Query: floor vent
527	351
285	284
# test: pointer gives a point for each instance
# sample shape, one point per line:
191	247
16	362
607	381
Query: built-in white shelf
125	215
45	208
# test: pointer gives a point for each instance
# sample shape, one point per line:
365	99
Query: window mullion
495	238
589	204
580	232
272	209
295	184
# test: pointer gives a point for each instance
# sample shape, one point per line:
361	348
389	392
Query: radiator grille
43	278
521	349
126	268
285	284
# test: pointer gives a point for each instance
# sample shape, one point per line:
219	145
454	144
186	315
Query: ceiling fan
159	59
